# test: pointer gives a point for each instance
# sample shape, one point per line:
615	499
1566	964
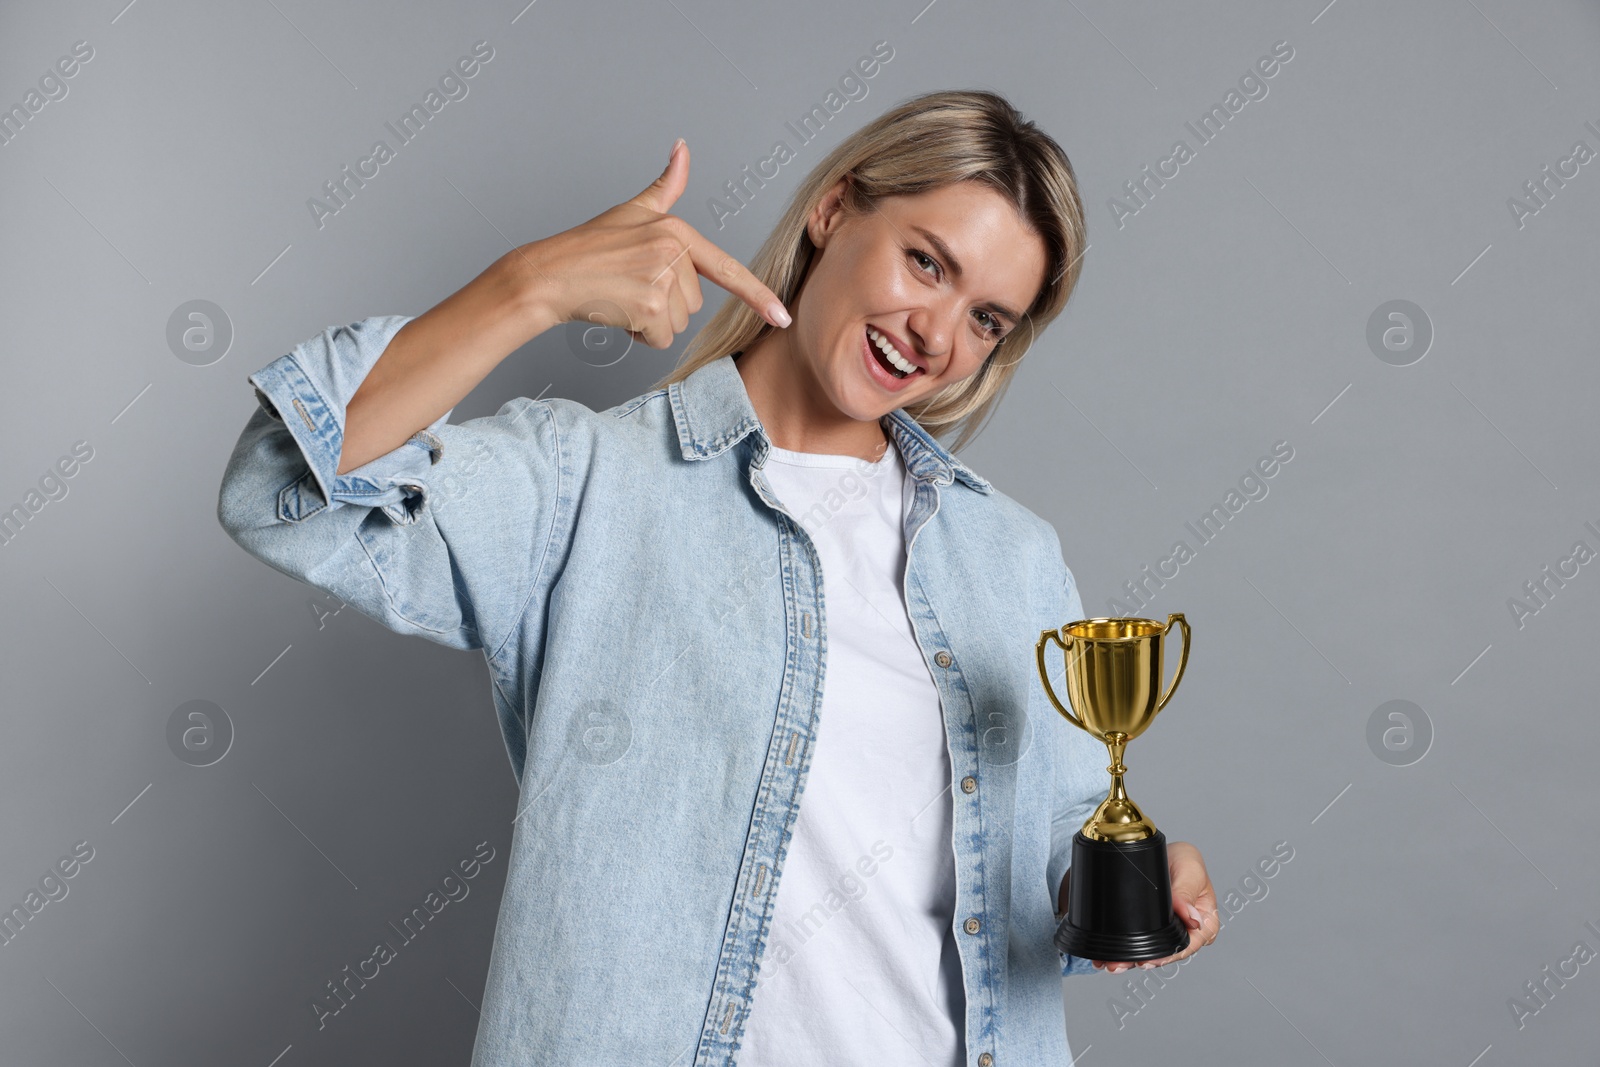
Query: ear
828	212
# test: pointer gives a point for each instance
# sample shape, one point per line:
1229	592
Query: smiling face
930	282
938	277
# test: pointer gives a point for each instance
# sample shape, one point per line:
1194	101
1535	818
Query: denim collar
713	413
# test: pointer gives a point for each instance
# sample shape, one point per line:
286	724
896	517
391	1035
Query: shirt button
969	784
984	1059
942	659
971	925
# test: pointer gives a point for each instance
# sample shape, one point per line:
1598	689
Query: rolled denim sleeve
444	536
308	390
1080	782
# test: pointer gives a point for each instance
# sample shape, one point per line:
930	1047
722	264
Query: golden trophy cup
1119	894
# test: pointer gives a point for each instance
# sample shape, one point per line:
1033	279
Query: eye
994	328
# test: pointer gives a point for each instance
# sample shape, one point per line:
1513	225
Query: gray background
1228	314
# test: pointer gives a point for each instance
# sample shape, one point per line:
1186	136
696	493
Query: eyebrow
955	268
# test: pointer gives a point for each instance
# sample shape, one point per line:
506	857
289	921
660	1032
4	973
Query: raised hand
638	268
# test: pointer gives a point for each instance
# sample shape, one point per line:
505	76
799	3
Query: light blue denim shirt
654	625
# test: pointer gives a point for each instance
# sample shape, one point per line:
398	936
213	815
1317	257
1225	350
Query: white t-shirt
861	963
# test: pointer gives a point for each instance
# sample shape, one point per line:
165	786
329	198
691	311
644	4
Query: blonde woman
761	645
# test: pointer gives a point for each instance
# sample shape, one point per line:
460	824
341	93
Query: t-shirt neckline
828	459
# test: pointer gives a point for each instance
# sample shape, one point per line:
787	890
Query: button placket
777	799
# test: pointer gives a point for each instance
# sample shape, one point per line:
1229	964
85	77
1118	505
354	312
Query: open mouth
888	358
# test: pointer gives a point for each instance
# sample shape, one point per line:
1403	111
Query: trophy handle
1183	658
1045	638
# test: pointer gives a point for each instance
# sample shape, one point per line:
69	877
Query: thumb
1188	910
660	194
1193	897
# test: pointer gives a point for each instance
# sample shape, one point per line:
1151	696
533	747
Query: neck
795	409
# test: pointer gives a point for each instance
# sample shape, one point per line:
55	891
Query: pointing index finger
726	271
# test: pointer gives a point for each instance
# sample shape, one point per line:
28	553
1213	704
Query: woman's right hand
637	268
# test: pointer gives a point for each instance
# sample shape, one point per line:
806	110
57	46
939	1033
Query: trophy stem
1117	818
1117	742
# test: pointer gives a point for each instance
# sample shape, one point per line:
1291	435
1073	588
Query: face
939	276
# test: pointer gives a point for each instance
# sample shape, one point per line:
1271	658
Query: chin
864	404
863	412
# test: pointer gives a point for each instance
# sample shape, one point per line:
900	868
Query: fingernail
779	315
674	151
1118	968
1146	966
1194	915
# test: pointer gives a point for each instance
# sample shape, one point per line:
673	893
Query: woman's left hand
1194	901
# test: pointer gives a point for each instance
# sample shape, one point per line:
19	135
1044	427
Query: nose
936	326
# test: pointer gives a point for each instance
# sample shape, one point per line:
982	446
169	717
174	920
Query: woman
762	580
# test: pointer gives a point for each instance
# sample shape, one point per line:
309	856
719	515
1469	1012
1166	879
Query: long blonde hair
929	141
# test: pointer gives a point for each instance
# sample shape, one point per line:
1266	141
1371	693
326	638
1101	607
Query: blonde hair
929	141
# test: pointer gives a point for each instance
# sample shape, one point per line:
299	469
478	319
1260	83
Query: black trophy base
1119	902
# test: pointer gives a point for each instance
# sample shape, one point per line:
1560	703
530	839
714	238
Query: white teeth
889	353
